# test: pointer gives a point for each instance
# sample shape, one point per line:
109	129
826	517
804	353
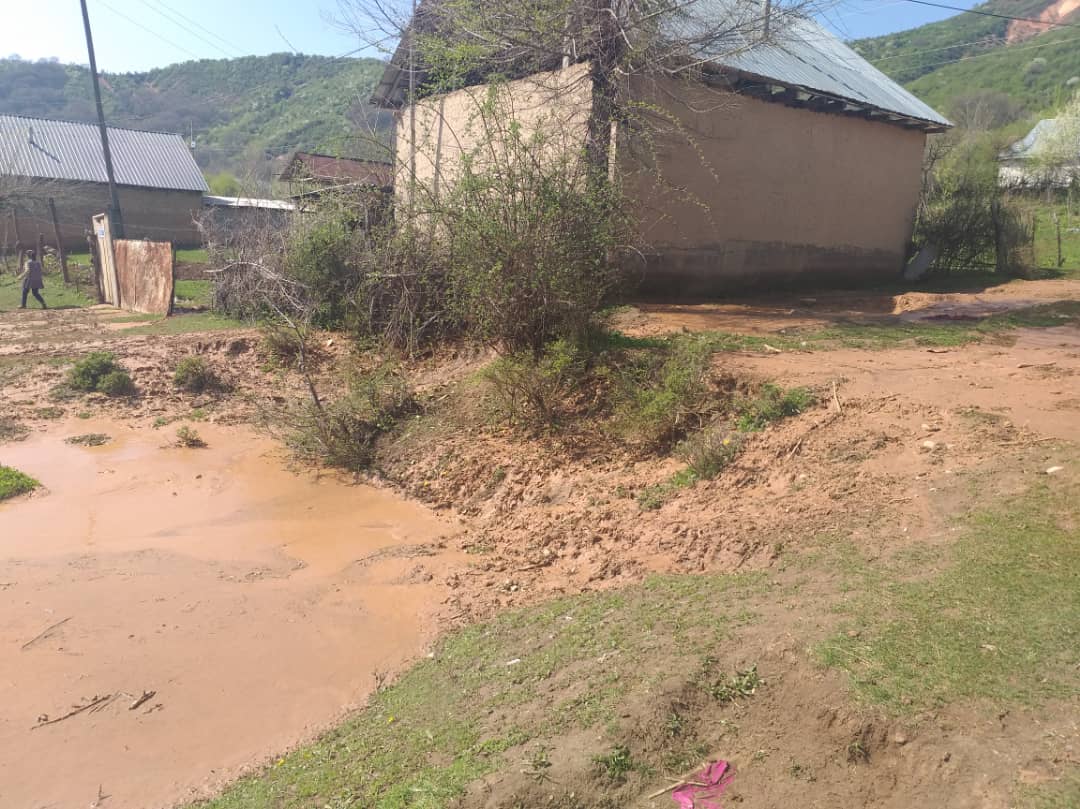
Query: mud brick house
781	159
159	184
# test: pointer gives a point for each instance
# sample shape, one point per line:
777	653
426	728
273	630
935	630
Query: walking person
33	279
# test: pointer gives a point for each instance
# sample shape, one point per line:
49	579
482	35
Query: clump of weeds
97	372
13	483
189	438
614	765
195	375
89	440
12	429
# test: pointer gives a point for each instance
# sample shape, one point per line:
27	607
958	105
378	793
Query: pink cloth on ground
716	777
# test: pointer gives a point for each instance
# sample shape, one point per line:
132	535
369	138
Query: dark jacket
34	277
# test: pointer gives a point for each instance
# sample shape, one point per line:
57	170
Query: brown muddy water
256	603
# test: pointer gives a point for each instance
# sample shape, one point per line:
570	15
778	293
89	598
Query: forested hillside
1026	67
242	111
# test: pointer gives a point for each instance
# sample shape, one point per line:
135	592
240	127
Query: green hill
968	55
242	111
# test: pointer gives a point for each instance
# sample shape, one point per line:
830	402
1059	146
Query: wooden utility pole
115	215
59	241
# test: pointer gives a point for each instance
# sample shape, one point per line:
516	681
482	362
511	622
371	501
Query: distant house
310	175
1047	157
808	170
226	220
159	184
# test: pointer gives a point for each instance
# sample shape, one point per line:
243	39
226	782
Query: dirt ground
252	584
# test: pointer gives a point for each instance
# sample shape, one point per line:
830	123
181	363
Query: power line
198	25
1052	24
1013	49
148	30
193	33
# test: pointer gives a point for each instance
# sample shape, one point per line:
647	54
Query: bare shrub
343	433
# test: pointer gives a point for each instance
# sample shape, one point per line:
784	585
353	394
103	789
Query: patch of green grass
188	323
1001	620
192	256
12	429
423	740
89	440
614	765
772	403
653	497
197	294
13	483
49	413
877	336
1063	794
57	294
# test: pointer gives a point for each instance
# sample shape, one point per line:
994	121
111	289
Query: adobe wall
153	214
554	106
736	192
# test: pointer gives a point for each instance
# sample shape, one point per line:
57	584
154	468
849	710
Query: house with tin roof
778	158
1047	157
159	184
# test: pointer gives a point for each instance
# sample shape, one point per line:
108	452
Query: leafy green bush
91	369
99	372
532	391
194	374
13	483
772	403
657	403
116	383
343	433
708	452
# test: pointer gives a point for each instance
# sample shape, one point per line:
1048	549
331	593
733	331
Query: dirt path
256	604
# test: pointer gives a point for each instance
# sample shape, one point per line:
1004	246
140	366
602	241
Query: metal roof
66	150
210	201
327	168
1043	136
798	53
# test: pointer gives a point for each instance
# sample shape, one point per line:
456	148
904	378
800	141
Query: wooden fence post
59	241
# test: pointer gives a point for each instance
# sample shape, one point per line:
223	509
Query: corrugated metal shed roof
66	150
210	201
798	52
1043	135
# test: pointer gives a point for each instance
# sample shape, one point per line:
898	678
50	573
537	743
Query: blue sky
132	35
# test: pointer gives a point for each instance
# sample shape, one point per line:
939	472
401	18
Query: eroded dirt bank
256	604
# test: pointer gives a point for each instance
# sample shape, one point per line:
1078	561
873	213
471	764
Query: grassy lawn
194	294
13	483
1000	621
185	323
197	256
57	295
1046	238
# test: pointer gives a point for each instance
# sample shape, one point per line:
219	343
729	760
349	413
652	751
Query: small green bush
708	452
343	433
13	483
772	404
90	370
116	383
659	403
530	391
189	438
100	372
194	375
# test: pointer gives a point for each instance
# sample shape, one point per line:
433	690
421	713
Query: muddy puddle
212	607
